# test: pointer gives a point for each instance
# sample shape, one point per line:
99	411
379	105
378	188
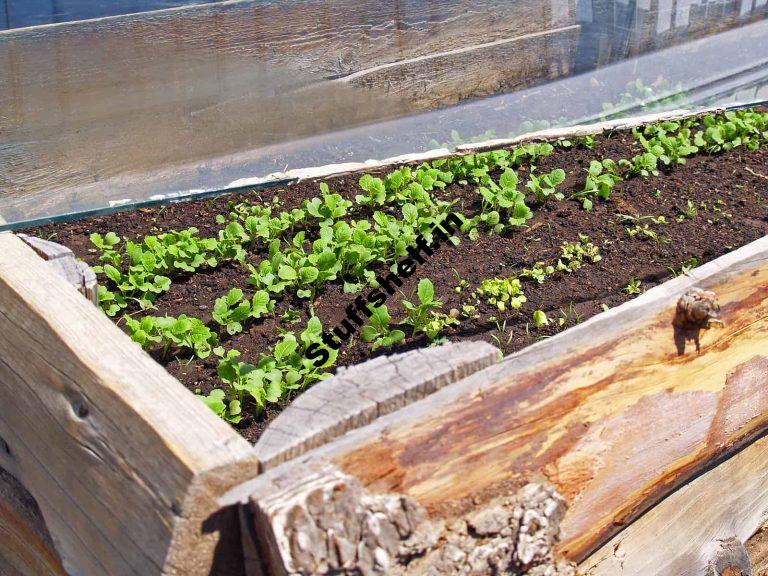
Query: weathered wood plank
124	463
680	535
357	395
63	262
615	413
26	548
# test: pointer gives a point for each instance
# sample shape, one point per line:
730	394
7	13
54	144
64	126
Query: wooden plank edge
124	462
681	534
355	396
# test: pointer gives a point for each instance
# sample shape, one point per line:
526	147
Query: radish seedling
544	186
378	332
418	315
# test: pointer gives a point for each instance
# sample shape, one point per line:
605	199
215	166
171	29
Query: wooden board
681	534
124	463
370	390
616	414
26	548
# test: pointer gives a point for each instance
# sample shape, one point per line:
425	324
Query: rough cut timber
356	396
62	260
124	463
686	531
615	414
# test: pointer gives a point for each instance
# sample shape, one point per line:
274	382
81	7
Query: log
124	463
614	414
357	395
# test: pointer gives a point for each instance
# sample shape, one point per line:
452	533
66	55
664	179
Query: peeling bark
330	525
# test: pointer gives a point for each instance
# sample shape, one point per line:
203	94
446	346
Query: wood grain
680	535
357	395
26	548
610	413
124	463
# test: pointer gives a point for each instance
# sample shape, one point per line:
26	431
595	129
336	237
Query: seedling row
235	295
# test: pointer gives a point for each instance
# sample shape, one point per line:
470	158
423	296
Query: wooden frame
124	463
616	413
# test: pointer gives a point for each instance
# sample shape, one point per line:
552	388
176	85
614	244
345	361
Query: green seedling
378	332
539	272
183	332
634	286
573	255
544	186
502	293
419	315
376	192
540	319
601	179
228	410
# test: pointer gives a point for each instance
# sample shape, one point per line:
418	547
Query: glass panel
198	99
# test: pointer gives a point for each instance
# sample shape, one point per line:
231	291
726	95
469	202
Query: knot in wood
730	559
697	309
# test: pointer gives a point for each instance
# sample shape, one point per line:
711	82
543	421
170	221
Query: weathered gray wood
125	464
612	413
356	396
63	262
684	534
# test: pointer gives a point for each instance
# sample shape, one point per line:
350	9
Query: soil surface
729	193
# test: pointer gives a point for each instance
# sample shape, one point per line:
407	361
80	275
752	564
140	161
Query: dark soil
729	191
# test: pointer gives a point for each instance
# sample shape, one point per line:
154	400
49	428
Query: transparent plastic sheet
149	107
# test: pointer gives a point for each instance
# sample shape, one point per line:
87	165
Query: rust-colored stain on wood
614	427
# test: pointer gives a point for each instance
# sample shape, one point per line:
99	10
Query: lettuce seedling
503	197
228	410
107	245
544	186
183	332
439	322
419	315
328	209
231	311
262	385
540	319
601	178
538	273
109	302
502	293
378	333
574	254
376	192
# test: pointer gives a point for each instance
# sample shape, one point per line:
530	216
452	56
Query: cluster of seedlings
333	240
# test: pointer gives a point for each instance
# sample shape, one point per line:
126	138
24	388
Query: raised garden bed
652	228
556	413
